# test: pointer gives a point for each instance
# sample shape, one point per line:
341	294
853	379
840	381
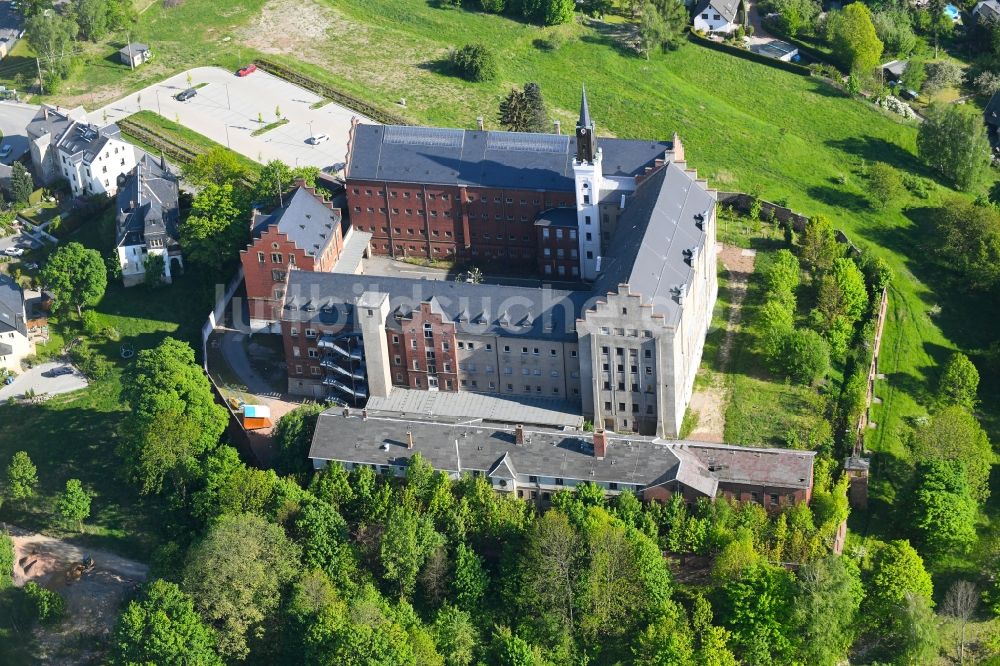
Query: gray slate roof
988	9
306	219
519	160
11	307
327	299
992	113
648	248
84	142
460	446
728	9
133	48
153	189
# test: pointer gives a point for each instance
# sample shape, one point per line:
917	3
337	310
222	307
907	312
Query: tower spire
584	120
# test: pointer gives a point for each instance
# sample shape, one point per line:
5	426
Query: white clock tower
588	175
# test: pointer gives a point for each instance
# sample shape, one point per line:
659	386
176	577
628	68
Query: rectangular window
275	258
313	353
260	257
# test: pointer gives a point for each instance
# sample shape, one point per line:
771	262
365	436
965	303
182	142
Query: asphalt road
35	379
14	118
227	107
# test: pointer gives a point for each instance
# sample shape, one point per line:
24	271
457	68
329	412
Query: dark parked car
58	372
185	95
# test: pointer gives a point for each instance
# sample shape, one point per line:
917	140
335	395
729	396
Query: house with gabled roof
719	16
15	344
148	213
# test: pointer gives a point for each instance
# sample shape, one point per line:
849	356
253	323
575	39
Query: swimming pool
952	12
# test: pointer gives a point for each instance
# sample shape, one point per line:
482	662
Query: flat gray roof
513	409
354	251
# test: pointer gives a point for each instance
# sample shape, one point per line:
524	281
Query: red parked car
249	69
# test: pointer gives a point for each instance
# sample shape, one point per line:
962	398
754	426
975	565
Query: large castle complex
612	243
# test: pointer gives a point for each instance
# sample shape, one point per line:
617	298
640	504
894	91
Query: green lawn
181	135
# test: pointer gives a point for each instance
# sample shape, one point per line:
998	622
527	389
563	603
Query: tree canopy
952	140
76	276
236	576
173	421
853	37
162	628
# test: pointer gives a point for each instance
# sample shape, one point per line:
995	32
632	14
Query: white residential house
90	158
14	342
146	221
719	16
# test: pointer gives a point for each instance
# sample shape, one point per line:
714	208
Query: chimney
558	127
479	123
678	148
519	434
600	443
409	439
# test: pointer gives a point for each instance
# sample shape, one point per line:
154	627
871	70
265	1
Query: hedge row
331	93
801	70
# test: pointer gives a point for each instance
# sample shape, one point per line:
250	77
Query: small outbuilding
134	54
256	417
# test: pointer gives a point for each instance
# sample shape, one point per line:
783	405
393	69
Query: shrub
474	62
806	356
6	561
90	322
917	186
43	605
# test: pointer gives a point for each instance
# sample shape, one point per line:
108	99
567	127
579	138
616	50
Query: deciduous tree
173	421
828	594
952	140
884	185
819	245
76	276
218	227
942	508
236	575
959	381
292	437
953	433
162	628
852	35
22	478
73	505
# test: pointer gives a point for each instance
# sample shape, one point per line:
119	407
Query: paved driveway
226	109
36	380
14	118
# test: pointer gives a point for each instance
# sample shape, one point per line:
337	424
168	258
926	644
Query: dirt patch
92	601
285	26
710	402
710	405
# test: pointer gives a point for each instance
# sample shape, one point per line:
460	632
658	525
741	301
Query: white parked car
318	139
14	251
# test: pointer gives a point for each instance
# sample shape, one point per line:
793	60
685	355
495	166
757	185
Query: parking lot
40	380
14	118
228	108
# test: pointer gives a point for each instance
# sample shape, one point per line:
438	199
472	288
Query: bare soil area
710	402
92	600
